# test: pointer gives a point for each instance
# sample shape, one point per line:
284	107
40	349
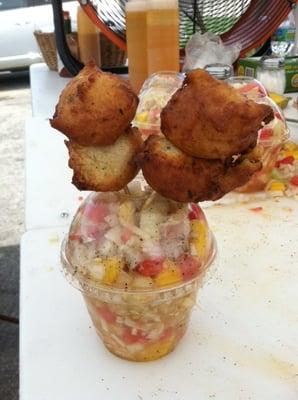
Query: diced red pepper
150	267
189	266
294	180
96	212
286	160
266	133
196	212
129	338
106	314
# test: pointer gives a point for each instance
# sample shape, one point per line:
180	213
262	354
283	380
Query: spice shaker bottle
271	73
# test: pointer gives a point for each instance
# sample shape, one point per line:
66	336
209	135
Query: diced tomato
248	87
189	266
126	235
74	236
154	114
96	212
294	180
278	116
196	212
106	314
129	338
286	160
266	133
150	267
167	333
93	232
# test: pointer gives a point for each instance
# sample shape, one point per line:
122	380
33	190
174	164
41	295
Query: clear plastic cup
154	95
271	136
141	324
250	87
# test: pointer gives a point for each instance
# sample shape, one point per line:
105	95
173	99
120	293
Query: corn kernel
295	154
276	187
290	146
283	154
157	350
286	153
113	266
127	212
142	117
198	237
169	275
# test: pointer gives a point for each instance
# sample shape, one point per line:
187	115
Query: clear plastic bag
207	48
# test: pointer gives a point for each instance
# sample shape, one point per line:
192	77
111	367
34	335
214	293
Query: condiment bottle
88	38
271	73
136	39
219	71
152	36
163	35
67	22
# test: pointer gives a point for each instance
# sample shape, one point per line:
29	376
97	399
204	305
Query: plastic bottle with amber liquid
163	36
88	38
152	33
136	38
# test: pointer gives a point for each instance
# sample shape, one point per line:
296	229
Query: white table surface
50	197
241	345
46	86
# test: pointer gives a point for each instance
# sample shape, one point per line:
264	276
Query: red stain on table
256	209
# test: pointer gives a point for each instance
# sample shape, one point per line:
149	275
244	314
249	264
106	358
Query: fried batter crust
107	168
210	119
95	107
183	178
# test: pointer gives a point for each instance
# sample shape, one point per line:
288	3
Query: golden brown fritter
210	119
183	178
105	168
95	107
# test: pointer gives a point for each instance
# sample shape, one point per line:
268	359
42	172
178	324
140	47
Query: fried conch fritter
210	119
183	178
107	168
95	107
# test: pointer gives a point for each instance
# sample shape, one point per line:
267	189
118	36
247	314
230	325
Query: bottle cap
272	63
219	71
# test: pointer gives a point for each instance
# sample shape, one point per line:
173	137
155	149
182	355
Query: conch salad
249	87
154	95
283	179
138	259
270	138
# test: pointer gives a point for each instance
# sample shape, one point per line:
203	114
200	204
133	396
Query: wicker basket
111	55
47	45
